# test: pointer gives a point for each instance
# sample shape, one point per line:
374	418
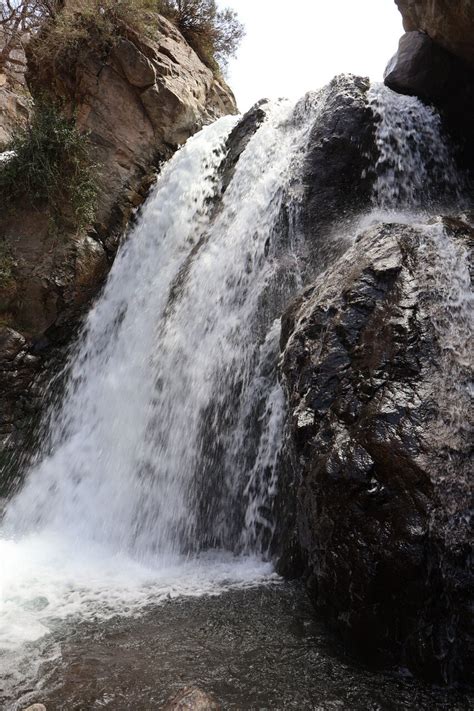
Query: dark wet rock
379	449
11	343
239	139
192	699
338	172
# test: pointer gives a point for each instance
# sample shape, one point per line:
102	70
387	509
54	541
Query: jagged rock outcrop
138	99
338	173
376	367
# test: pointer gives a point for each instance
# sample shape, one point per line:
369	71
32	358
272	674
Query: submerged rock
192	699
376	367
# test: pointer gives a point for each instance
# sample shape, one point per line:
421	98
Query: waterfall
153	450
160	471
415	169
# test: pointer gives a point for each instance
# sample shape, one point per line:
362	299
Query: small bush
51	164
214	34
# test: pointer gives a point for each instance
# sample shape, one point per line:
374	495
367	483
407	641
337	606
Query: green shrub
214	34
51	165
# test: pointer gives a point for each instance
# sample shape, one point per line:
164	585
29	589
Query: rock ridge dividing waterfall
377	375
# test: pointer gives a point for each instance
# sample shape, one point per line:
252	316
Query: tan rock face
139	101
450	23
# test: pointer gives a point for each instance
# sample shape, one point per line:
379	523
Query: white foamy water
415	170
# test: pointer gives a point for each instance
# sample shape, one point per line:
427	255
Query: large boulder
435	61
450	23
376	368
423	68
338	172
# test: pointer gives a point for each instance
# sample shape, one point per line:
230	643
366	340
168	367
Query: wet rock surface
260	648
379	448
193	699
338	173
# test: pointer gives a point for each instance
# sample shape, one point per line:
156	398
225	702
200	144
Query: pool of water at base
258	648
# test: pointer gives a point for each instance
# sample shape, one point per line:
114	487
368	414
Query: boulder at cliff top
376	366
435	61
423	68
450	23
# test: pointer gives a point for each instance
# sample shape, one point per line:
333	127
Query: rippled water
259	648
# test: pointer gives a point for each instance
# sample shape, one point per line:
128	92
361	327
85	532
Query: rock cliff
138	100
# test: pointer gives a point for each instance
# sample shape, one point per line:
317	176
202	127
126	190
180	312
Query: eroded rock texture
379	445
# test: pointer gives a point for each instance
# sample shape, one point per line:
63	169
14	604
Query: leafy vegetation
50	164
214	34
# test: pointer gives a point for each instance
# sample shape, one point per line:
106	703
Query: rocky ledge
378	448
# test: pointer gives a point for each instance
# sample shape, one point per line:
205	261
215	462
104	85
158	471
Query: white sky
293	46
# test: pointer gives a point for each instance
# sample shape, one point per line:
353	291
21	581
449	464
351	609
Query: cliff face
15	99
138	101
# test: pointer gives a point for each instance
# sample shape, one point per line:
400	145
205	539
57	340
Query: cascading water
170	426
166	443
415	170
